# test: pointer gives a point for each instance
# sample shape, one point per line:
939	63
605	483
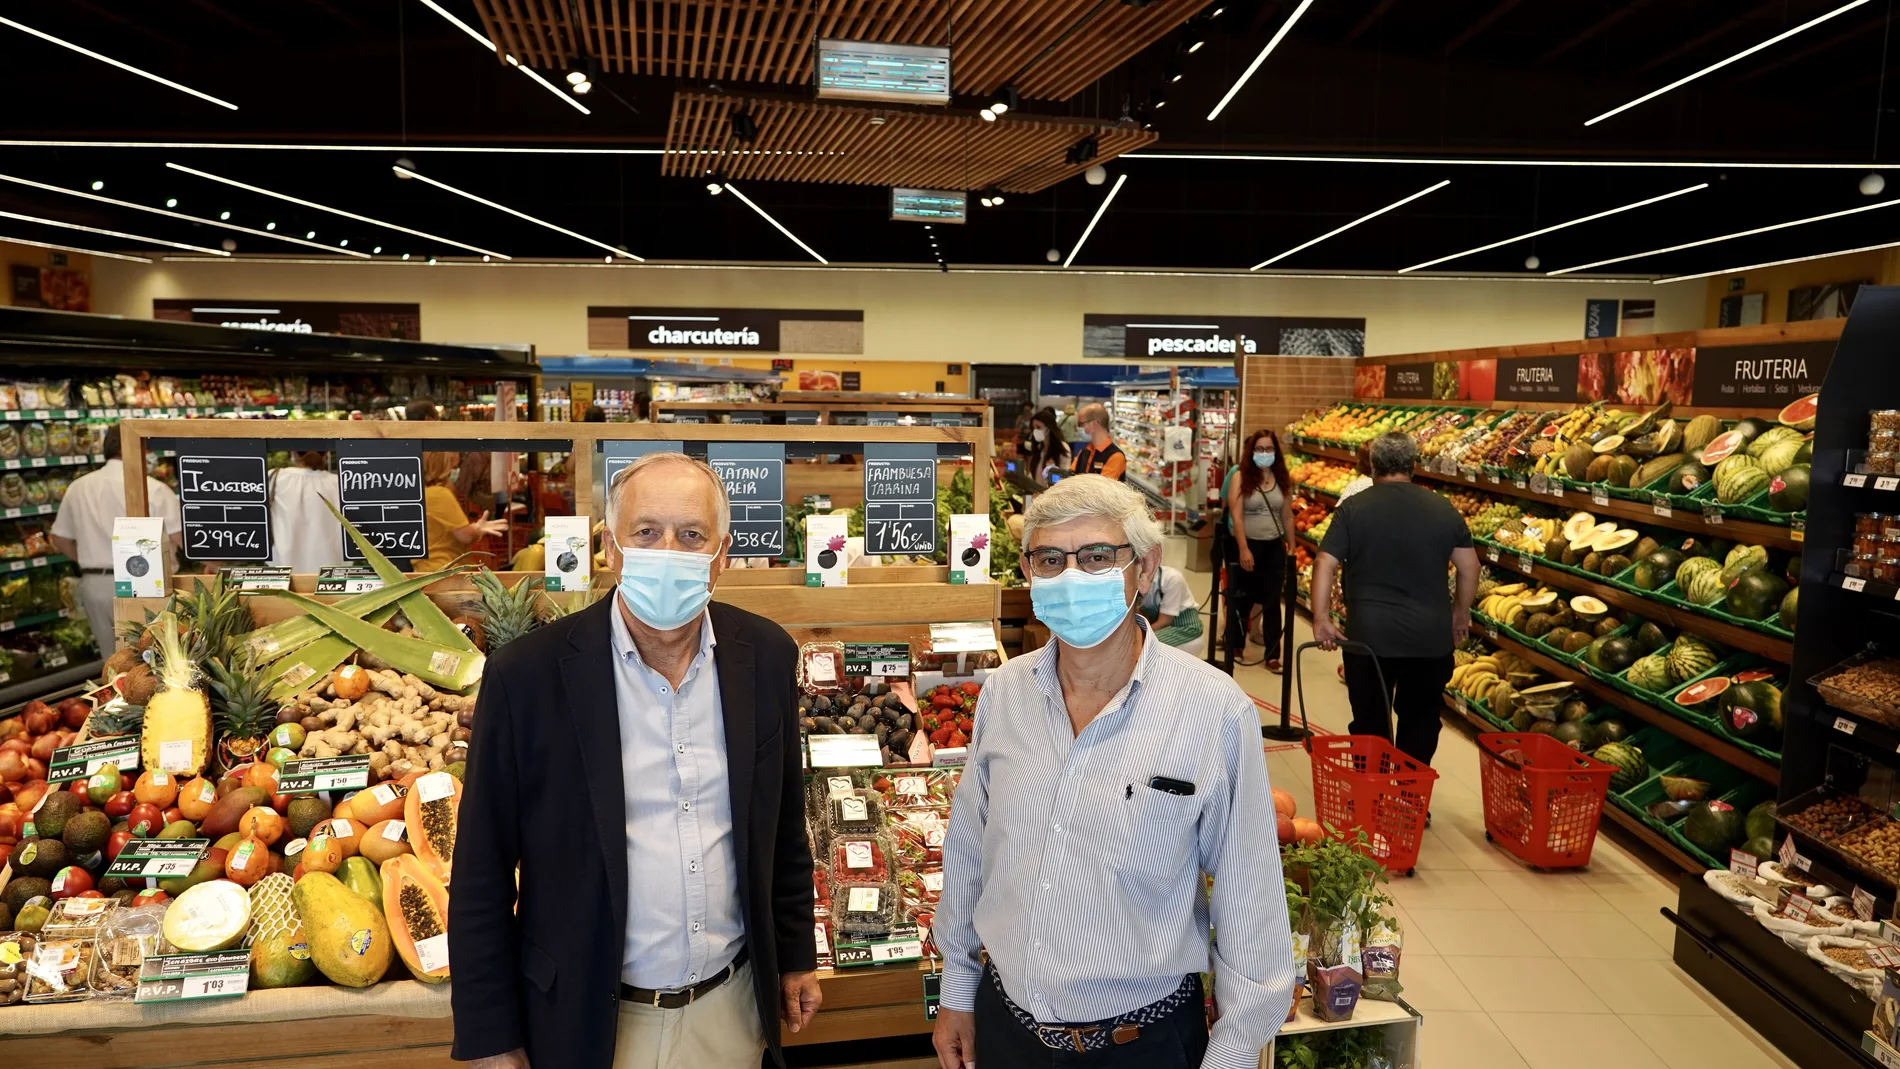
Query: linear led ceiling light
489	46
1096	218
75	248
109	60
1777	263
1268	157
177	215
404	172
1332	233
767	216
1272	43
1726	237
333	211
1558	226
111	233
1719	64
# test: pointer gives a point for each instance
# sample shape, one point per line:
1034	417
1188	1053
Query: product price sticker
1742	863
933	993
308	776
158	859
1525	563
1799	907
1887	482
1863	904
1854	479
1853	583
1712	514
1660	506
1599	498
1517	482
182	977
1491	554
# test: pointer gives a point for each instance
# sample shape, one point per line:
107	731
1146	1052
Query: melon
1694	566
1779	457
1587	607
1705	587
1575	734
1650	673
1752	427
1684	788
1697	693
1579	526
1724	446
1757	594
1608	444
1700	432
1772	437
1800	414
1788	605
1614	540
1754	712
1612	730
1622	470
211	916
1761	820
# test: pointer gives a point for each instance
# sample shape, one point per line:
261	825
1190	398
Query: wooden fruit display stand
409	1024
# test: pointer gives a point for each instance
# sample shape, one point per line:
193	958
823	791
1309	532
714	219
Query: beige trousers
720	1031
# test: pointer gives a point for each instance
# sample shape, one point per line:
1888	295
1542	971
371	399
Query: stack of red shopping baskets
1542	799
1363	782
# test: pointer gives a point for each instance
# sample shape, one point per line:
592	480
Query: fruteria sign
726	330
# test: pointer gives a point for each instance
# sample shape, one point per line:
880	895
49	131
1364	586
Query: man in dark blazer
638	762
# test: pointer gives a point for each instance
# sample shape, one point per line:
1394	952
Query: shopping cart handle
1344	644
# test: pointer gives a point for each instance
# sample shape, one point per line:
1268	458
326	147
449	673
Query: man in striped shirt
1107	773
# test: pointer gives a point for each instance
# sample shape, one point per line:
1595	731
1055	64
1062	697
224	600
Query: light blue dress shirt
1084	883
683	918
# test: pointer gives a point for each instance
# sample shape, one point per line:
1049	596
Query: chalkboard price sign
900	499
754	474
380	487
224	501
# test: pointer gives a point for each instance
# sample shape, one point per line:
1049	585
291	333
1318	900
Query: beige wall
1881	267
960	317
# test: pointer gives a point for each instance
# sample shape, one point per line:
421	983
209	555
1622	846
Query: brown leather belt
675	1000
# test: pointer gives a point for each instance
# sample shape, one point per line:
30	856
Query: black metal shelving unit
1815	1019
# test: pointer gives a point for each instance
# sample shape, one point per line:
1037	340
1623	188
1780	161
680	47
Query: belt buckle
1075	1036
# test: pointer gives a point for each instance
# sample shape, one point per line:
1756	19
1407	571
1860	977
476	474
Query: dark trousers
1261	588
1177	1041
1415	688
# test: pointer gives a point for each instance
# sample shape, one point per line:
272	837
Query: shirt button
687	806
695	926
1045	885
690	977
692	866
681	747
1058	827
1038	944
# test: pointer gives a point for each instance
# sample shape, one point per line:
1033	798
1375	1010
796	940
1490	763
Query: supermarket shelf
25	623
1682	729
1308	488
33	562
1872	588
1614	814
1883	483
1324	451
27	463
1633	512
50	683
29	510
1740	638
1826	863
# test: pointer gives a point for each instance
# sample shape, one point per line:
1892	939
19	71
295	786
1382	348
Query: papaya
225	813
430	812
348	938
417	906
359	875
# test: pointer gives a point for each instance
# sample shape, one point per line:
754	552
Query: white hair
1083	496
624	477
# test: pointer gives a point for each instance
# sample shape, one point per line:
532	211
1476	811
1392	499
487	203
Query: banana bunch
1493	679
1527	534
1511	604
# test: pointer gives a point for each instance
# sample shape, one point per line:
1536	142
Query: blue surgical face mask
1081	609
665	588
1263	461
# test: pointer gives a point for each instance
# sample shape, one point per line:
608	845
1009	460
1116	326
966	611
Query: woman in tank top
1259	517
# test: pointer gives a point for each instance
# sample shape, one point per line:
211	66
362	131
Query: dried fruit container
1871	701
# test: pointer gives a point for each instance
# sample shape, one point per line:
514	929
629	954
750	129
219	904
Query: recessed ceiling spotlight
377	249
171	202
161	211
1175	74
485	259
607	259
583	88
1157	100
1095	175
988	115
270	226
1873	185
228	244
985	200
1005	99
431	261
404	163
1216	13
224	215
576	77
97	185
344	244
1199	43
310	234
405	256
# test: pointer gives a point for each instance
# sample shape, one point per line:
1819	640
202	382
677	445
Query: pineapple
178	717
116	717
242	708
507	613
215	611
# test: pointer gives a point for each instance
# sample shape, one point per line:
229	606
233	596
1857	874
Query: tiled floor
1518	969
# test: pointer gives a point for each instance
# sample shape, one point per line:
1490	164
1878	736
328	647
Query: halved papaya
417	906
430	813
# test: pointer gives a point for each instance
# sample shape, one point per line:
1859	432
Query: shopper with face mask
1259	515
684	891
1101	456
1107	772
1045	451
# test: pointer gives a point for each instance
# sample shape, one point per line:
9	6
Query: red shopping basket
1364	782
1542	799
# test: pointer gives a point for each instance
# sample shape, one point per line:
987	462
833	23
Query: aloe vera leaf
316	660
425	615
431	662
287	636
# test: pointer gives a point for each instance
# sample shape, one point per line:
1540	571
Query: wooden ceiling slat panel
1035	43
819	141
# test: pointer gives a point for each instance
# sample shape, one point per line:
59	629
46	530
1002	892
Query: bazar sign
354	318
746	330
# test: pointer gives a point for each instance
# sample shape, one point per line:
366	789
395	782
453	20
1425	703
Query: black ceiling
1504	79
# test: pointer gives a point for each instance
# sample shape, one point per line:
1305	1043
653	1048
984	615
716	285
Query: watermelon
1696	693
1800	414
1725	445
1689	657
1761	820
1757	595
1688	477
1713	827
1752	427
1704	587
1649	673
1788	609
1753	712
1762	846
1788	491
1575	734
1651	637
1631	768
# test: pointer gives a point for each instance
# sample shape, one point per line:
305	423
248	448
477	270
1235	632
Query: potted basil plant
1343	900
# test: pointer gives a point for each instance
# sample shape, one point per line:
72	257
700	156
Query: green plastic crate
1621	682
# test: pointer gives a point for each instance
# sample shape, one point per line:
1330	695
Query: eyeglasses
1047	563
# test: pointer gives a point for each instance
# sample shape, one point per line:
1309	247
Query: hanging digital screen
868	70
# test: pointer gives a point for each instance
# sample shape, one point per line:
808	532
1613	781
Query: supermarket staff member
83	531
1107	772
1101	456
683	891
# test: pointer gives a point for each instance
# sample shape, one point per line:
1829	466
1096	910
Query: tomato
145	821
121	804
90	894
70	881
115	843
150	896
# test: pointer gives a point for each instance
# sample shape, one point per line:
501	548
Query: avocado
203	872
41	857
1650	637
86	832
306	812
24	888
1607	625
57	808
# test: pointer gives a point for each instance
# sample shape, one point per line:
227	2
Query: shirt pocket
1160	807
1160	842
